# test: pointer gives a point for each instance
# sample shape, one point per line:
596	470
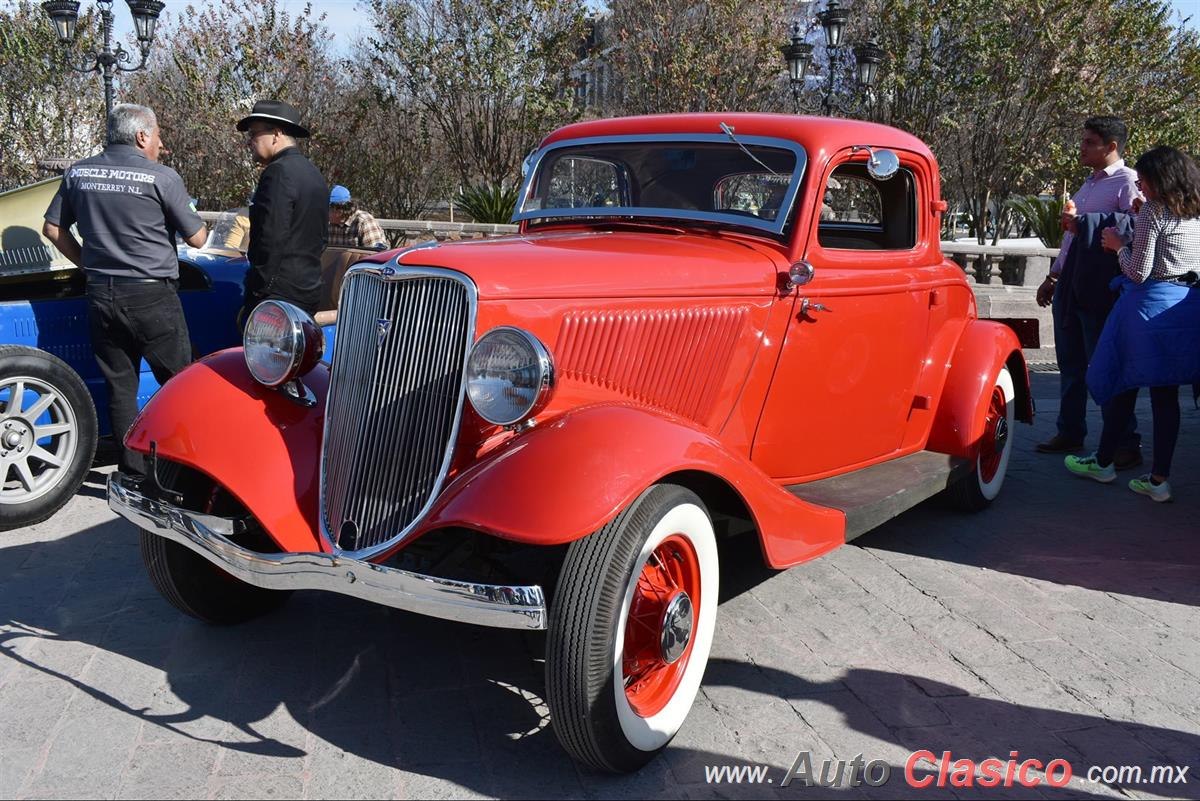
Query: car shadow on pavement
1063	530
329	679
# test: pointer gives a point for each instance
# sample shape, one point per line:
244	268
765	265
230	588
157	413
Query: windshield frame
777	227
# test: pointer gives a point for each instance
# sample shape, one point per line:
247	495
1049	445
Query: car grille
395	397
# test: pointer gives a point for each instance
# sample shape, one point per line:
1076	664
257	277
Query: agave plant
1043	216
489	203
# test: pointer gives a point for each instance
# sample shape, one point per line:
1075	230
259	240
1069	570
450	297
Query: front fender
252	440
558	483
982	350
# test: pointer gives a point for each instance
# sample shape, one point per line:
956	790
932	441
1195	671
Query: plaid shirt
1164	246
360	230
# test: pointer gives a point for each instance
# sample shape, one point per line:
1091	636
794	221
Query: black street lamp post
799	56
109	61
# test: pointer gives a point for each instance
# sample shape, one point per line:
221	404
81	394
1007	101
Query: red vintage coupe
707	323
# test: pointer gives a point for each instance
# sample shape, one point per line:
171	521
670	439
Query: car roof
819	136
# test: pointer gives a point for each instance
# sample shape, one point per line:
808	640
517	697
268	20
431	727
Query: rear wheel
630	630
47	435
976	491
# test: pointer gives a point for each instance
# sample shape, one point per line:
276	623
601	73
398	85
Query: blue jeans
1076	333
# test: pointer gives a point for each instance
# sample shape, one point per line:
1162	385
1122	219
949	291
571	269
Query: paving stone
268	786
274	743
15	766
88	749
365	769
168	771
30	708
1047	624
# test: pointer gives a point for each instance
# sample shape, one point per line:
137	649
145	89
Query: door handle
807	306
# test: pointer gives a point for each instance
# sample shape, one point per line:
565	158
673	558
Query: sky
345	20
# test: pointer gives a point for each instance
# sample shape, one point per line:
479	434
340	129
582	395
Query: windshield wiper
728	130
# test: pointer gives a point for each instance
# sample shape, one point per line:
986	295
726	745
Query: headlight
509	376
281	342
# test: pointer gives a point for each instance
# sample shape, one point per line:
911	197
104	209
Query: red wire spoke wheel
658	631
975	491
995	436
630	629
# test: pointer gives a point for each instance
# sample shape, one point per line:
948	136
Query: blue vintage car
53	399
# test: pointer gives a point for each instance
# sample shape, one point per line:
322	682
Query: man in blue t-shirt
128	209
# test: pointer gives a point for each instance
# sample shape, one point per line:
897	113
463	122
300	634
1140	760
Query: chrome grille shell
395	402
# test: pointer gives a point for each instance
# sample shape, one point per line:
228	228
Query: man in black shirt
128	209
289	212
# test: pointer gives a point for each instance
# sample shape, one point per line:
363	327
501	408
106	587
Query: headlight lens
281	342
509	376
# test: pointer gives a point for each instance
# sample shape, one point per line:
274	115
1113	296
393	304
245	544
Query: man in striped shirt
1112	187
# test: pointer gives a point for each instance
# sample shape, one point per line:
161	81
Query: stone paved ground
1061	623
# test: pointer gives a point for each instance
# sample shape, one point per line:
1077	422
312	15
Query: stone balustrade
1002	265
989	265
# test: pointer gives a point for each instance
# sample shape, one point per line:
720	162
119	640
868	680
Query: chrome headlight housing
509	376
281	342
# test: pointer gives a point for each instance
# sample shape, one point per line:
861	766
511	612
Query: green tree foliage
1042	215
999	90
489	203
491	77
207	69
680	55
46	109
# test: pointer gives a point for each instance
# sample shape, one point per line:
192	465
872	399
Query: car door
844	384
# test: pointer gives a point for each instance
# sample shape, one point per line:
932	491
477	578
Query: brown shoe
1058	444
1125	458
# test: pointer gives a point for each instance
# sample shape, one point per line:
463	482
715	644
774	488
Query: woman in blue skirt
1152	336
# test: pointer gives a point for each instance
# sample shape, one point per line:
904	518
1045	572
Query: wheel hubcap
38	438
676	628
995	436
659	628
15	433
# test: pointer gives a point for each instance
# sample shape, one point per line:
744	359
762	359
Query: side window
851	199
860	213
759	194
578	183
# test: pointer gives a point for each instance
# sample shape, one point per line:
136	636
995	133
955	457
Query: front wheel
197	587
630	630
976	491
47	435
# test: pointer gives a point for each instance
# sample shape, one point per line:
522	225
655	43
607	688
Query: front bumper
510	607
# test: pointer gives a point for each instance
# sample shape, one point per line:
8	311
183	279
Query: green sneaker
1086	467
1159	493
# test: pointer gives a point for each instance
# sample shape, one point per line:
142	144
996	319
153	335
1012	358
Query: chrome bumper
498	606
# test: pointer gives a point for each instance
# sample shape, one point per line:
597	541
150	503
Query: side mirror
882	164
799	275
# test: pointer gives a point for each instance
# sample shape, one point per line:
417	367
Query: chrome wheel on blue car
47	435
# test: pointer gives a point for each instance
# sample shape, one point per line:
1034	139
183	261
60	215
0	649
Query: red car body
740	364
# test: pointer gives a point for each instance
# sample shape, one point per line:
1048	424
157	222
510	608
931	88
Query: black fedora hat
278	113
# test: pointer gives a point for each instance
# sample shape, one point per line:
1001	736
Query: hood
606	264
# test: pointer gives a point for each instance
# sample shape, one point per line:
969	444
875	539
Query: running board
874	495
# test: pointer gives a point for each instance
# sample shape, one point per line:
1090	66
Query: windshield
229	233
751	182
